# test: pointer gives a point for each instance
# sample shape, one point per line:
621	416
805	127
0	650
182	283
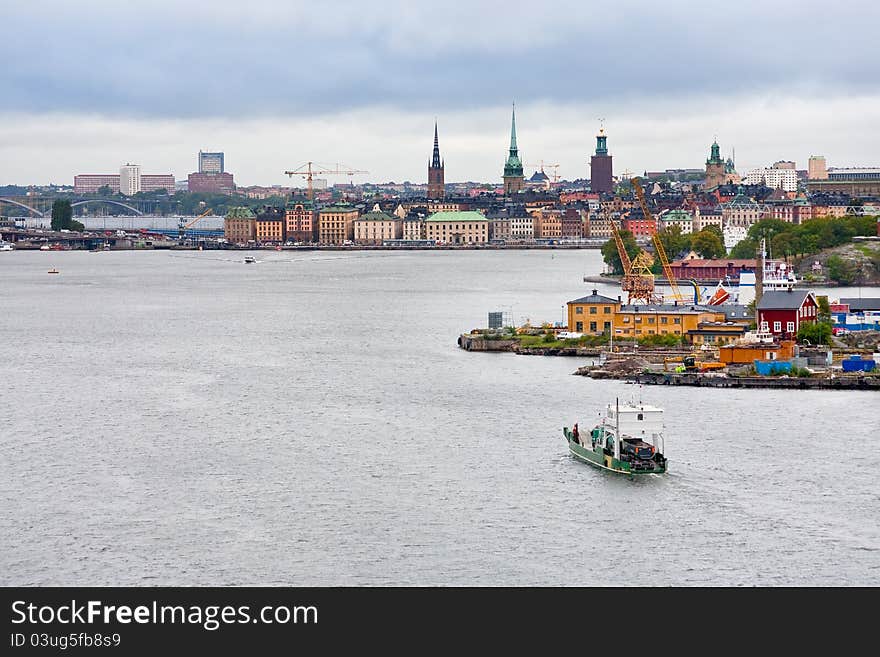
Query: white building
773	178
733	235
129	179
522	228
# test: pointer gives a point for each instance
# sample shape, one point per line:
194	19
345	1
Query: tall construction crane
182	228
307	172
658	245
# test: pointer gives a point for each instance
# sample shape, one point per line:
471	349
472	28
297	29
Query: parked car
839	330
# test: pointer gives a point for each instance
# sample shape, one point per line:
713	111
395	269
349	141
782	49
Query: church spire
513	149
435	160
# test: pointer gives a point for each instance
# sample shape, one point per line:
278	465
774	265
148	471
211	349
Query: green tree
104	190
78	226
824	308
708	244
841	270
612	257
815	333
768	229
674	243
62	213
744	249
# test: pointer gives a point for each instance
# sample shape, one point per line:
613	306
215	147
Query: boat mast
617	428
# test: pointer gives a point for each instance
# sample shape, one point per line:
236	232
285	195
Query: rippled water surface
184	418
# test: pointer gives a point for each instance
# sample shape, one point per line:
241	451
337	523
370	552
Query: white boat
249	259
6	246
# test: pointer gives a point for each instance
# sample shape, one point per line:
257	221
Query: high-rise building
436	187
601	166
129	179
211	162
816	168
513	168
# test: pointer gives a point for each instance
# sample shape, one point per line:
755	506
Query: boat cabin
636	420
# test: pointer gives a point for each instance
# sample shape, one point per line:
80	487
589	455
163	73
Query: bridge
37	201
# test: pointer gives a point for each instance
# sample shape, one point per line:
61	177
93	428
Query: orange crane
306	171
658	245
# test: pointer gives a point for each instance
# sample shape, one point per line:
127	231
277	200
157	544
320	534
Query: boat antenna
617	436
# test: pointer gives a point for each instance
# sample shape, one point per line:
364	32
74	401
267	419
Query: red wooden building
782	313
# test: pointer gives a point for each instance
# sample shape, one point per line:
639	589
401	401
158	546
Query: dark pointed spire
435	160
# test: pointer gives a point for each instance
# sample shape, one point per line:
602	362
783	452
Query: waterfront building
457	228
677	217
857	314
513	168
633	321
600	223
373	228
639	225
239	226
548	223
572	224
816	169
522	227
269	225
716	333
211	162
782	312
747	354
336	224
414	228
499	229
129	179
601	176
300	224
91	183
593	314
436	175
211	183
712	270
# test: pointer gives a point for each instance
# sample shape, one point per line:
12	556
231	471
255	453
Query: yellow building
376	227
634	322
239	226
269	226
336	224
716	333
592	315
457	228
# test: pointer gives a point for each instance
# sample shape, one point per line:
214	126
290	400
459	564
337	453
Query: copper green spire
715	154
513	166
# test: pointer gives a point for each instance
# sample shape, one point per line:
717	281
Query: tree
768	229
673	241
824	308
744	249
841	270
612	257
104	190
708	244
815	333
62	214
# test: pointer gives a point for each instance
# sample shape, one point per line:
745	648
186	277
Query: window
777	327
607	310
790	327
626	320
638	320
579	327
676	320
664	320
764	326
593	310
607	327
650	320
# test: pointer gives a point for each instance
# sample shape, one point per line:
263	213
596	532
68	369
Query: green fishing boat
639	449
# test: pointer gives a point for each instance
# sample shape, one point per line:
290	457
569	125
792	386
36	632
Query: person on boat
575	434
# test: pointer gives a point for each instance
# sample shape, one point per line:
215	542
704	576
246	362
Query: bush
549	337
815	333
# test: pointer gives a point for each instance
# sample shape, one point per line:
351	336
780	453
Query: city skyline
667	84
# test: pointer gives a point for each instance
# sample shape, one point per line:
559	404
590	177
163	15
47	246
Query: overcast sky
89	85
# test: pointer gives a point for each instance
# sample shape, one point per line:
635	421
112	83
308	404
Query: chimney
595	293
759	274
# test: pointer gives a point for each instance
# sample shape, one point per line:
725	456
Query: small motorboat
54	271
249	260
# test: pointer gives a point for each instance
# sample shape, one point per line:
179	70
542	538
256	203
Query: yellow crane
307	172
658	245
182	227
638	279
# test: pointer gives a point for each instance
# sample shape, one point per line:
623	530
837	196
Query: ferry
628	440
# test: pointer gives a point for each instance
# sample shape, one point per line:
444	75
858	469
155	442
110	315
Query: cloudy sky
92	84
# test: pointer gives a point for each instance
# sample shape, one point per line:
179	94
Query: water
187	419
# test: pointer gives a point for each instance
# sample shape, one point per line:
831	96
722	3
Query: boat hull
599	459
